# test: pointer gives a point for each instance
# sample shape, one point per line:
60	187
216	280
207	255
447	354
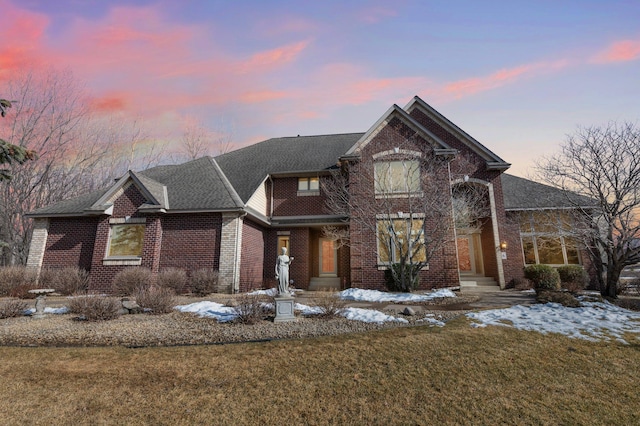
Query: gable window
309	186
401	237
546	240
126	238
397	177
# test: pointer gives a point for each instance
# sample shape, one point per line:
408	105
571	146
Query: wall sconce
503	246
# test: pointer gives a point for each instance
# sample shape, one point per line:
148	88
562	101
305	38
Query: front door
470	254
328	258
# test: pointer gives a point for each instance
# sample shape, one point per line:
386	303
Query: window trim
381	192
533	235
382	265
302	192
123	259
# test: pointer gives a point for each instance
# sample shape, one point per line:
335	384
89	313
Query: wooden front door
328	258
470	254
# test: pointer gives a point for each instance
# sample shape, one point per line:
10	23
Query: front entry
328	258
470	254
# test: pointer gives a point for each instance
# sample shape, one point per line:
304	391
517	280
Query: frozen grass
419	375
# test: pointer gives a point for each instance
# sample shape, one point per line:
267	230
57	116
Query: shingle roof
522	194
196	185
247	167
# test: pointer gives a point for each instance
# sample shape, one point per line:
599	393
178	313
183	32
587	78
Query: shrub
250	309
402	277
16	281
521	284
204	281
573	277
95	308
174	279
130	280
544	277
554	296
330	305
67	281
12	308
156	300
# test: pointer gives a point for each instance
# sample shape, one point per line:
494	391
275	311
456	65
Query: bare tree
406	199
76	153
603	164
198	141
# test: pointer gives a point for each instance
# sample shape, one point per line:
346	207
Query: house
233	213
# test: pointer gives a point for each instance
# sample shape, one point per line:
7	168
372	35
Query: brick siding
252	257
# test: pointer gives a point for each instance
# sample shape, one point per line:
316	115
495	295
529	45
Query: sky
516	75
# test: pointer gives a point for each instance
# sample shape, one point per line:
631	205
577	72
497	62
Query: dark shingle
520	194
247	167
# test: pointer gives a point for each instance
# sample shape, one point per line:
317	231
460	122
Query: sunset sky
516	75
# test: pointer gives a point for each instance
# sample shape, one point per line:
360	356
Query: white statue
282	272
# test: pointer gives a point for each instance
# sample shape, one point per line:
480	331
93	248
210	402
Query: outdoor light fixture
466	178
503	245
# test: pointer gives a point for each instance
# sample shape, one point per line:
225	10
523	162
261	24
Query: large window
546	238
401	237
397	177
126	240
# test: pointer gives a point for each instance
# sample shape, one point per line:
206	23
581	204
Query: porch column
230	246
496	236
38	245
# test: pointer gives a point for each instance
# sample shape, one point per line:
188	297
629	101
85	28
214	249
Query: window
397	177
545	238
401	237
308	184
126	239
283	241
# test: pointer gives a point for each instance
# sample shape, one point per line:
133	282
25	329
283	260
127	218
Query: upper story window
309	186
397	177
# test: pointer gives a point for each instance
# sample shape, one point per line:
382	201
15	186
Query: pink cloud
274	57
500	78
376	14
619	51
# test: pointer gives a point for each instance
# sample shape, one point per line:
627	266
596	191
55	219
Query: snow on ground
593	321
209	310
62	310
370	315
360	295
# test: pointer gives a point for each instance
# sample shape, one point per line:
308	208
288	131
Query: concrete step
477	283
324	283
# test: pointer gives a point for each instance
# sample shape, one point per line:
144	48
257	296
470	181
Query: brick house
234	212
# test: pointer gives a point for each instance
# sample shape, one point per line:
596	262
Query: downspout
453	219
237	247
271	198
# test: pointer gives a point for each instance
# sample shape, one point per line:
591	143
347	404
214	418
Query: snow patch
360	295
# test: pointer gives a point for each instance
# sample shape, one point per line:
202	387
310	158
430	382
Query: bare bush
330	304
204	281
250	309
16	281
66	281
174	279
156	300
95	308
130	280
12	308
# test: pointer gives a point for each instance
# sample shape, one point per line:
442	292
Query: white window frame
409	168
384	220
308	186
123	259
533	235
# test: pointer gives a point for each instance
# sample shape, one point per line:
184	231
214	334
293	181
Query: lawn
418	375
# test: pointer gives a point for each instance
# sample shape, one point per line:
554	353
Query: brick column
38	244
230	245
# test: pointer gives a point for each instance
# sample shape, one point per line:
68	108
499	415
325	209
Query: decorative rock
131	306
409	311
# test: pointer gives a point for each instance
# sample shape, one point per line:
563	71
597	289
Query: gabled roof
396	112
525	194
246	168
493	160
197	185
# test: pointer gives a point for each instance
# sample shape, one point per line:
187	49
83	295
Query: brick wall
252	257
287	202
191	241
70	242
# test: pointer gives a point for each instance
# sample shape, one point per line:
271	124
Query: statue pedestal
284	308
